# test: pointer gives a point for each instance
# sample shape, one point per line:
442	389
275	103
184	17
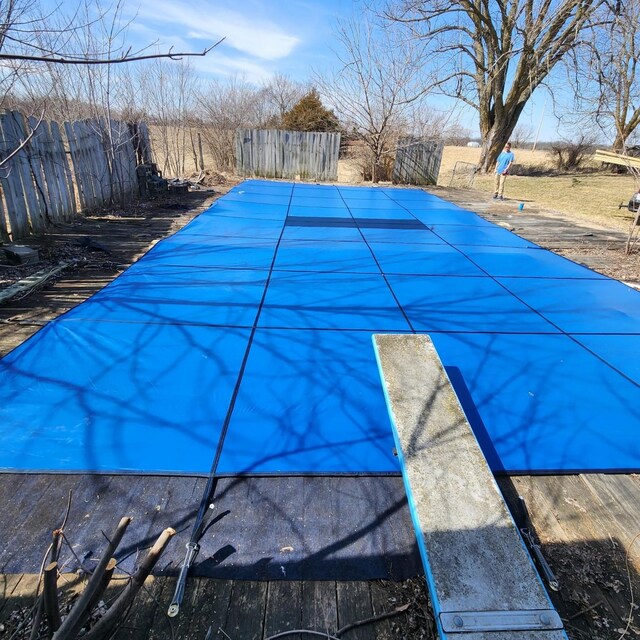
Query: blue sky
264	37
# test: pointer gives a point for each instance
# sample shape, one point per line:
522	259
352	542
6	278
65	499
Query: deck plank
319	606
354	605
619	495
383	600
215	598
589	563
283	610
245	617
149	618
8	584
15	520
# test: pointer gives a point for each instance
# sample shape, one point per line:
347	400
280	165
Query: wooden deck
586	523
251	610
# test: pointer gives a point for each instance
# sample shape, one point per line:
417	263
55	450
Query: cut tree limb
50	596
117	610
73	622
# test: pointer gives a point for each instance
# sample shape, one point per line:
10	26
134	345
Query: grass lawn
590	196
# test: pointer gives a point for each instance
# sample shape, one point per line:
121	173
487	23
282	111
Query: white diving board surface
481	579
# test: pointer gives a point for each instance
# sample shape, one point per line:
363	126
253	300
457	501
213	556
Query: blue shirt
504	160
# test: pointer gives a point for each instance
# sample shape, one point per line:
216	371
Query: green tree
309	114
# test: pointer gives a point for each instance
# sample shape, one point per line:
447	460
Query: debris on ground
207	178
611	261
418	622
89	244
19	254
84	252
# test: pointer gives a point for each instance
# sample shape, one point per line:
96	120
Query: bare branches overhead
29	34
126	57
493	54
604	72
378	87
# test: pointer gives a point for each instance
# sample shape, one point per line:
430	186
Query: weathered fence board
35	207
40	153
271	153
63	172
98	142
34	166
16	206
4	228
417	161
85	194
40	173
124	160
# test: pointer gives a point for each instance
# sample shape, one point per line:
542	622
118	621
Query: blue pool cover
242	345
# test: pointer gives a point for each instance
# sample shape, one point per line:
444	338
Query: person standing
503	164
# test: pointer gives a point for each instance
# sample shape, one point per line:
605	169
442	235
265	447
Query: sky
265	37
262	37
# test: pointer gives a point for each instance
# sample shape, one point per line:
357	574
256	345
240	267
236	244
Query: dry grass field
589	196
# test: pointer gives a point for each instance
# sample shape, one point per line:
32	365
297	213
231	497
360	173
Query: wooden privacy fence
271	153
417	161
47	177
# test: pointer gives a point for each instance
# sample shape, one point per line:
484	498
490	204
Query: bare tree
170	91
224	107
493	54
67	65
571	154
457	135
377	91
61	58
23	25
281	93
522	135
604	71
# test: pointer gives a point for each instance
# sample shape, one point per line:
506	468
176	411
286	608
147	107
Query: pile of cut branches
84	614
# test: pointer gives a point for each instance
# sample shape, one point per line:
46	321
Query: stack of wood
612	157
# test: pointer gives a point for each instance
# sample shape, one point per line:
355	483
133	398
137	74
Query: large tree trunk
496	132
619	142
495	53
624	131
492	145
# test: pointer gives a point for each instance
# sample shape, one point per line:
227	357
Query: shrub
569	156
309	114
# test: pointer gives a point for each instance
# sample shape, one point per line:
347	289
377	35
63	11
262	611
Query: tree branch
125	58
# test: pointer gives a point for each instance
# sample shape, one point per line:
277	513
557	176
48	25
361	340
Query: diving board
482	582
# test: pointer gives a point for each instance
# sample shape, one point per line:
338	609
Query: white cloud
256	37
221	65
216	62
